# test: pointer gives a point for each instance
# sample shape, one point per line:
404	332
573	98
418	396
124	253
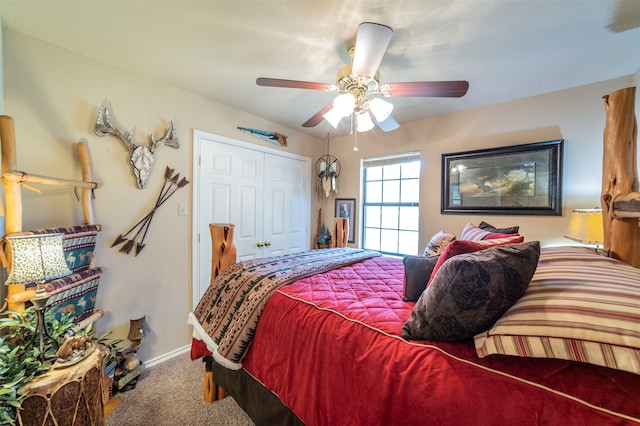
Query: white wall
53	96
576	115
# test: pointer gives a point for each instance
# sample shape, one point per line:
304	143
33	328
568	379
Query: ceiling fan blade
318	116
296	84
372	41
444	89
387	125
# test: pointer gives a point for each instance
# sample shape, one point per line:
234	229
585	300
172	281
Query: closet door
286	205
265	194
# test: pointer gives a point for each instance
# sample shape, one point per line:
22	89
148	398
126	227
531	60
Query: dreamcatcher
327	170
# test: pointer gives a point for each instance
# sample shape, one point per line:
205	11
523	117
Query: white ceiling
506	49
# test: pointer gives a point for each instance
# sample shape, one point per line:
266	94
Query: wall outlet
182	209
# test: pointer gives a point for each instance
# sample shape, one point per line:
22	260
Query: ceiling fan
358	83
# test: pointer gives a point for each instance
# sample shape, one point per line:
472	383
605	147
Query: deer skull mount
141	156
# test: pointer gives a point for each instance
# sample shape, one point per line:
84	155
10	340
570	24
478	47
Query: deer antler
170	138
105	127
141	156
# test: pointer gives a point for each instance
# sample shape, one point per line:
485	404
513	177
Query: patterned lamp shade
36	258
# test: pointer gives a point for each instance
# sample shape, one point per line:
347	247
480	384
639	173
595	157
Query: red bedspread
330	347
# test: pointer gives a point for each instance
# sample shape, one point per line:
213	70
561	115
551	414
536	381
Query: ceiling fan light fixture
344	104
380	109
363	122
333	117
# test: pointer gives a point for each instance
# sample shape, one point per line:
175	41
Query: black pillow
509	230
417	270
471	291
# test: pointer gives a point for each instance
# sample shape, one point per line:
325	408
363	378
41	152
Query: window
391	203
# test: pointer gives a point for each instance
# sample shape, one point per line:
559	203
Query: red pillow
457	247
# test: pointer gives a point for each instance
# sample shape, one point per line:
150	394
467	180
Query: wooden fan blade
387	125
318	116
372	41
444	89
277	82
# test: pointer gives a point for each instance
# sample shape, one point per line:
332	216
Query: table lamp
585	226
37	258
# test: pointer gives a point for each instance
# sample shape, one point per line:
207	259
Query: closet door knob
260	244
267	243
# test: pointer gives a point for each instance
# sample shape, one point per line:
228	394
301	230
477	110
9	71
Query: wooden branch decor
169	187
620	198
141	156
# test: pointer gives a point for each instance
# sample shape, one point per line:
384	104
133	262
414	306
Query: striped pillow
579	306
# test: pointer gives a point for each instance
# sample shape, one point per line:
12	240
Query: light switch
182	209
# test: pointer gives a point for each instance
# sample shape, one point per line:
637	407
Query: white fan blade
371	44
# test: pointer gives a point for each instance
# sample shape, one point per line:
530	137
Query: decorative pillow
417	270
438	243
510	230
580	306
472	291
457	247
474	233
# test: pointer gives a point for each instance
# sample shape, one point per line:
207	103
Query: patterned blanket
227	315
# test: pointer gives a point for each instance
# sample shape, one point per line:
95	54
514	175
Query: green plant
19	364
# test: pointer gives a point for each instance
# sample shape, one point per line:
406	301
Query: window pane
372	216
390	217
408	242
410	192
391	172
391	191
374	173
410	218
389	240
373	192
371	239
411	170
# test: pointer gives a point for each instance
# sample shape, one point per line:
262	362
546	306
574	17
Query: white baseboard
167	356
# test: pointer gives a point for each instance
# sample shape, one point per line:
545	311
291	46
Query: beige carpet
170	394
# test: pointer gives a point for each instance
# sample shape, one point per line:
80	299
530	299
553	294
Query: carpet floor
170	394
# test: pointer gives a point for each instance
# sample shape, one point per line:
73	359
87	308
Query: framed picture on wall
346	208
519	179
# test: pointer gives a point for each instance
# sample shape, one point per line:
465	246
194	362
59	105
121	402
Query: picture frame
346	208
516	180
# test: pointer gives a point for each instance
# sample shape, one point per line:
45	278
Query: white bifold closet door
264	193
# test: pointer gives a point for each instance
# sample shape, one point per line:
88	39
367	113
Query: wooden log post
87	209
340	232
223	255
12	199
223	248
620	176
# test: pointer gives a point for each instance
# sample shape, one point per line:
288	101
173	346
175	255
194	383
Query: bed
329	347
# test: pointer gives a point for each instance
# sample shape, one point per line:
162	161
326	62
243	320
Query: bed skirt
262	405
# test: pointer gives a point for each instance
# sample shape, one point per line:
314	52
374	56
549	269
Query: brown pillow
471	291
417	270
509	230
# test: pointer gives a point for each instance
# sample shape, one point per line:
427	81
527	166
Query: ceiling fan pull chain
355	135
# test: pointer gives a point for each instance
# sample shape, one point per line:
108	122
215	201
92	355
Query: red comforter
330	347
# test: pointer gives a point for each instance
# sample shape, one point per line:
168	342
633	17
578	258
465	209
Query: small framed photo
346	208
